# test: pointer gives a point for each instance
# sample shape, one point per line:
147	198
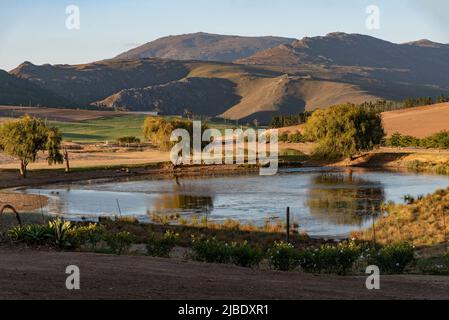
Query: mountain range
240	78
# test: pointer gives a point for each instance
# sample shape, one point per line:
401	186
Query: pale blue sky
34	30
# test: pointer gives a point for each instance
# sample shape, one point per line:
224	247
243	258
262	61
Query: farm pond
324	202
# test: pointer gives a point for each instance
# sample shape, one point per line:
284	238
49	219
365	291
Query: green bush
90	235
244	255
162	246
399	141
344	131
30	234
394	258
439	141
211	250
56	233
292	138
296	138
60	232
119	243
283	256
283	137
330	258
128	140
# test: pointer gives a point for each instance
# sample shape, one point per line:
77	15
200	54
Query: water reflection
183	202
344	199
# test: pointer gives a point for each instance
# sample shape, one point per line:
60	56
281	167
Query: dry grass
423	223
23	202
266	93
418	122
83	160
269	226
228	233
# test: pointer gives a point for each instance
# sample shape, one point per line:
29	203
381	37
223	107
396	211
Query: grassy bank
423	222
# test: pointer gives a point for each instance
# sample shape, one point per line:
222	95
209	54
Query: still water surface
329	202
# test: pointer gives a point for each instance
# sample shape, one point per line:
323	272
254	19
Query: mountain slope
421	62
16	91
84	84
237	92
195	94
204	47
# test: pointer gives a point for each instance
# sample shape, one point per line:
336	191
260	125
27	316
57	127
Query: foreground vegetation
226	246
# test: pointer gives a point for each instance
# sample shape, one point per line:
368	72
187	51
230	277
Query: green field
101	130
111	128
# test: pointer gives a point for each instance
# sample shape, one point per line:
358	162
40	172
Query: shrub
30	234
59	232
244	255
283	256
128	140
439	140
399	141
119	243
330	258
283	137
394	258
90	235
296	138
211	250
162	246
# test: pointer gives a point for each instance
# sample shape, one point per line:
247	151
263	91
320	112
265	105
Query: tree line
281	121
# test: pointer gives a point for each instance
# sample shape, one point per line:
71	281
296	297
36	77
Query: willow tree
344	131
158	130
23	139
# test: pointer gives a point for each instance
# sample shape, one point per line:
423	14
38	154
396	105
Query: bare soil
32	274
23	202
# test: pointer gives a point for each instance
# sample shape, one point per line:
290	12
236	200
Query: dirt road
30	274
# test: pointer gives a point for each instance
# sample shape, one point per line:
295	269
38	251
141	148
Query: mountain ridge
314	72
204	47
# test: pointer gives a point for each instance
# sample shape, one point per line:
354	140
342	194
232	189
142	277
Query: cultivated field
418	122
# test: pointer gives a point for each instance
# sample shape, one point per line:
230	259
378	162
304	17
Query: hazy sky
35	30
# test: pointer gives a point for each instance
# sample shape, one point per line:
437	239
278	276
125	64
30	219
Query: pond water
329	203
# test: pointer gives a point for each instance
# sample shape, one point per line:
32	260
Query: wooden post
288	224
67	160
444	228
119	209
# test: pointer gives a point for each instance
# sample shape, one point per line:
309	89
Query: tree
24	138
158	130
344	131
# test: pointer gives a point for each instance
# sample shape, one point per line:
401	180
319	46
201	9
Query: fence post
119	209
288	224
